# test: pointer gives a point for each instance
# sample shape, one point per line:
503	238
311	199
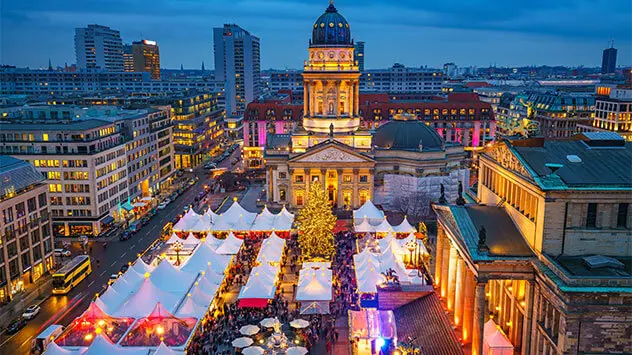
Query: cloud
184	28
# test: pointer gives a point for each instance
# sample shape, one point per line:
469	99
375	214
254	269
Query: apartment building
613	111
26	248
401	79
98	48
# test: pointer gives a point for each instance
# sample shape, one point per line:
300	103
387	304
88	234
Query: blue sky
412	32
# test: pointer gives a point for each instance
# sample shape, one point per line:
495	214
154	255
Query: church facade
330	146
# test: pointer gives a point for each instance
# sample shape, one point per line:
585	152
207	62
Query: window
282	194
315	178
364	178
363	197
346	178
299	178
591	215
31	205
42	200
332	174
282	175
622	215
299	199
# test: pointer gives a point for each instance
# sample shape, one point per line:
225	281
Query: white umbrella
296	350
299	323
268	322
252	350
249	330
242	342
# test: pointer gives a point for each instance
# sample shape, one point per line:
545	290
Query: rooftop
72	126
590	161
503	237
16	175
578	266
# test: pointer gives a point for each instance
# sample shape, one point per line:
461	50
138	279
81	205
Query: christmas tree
315	225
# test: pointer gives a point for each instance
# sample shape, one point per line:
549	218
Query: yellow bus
71	274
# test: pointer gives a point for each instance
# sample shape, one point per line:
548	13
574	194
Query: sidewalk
35	293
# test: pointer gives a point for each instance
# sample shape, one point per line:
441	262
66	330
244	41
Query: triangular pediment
331	152
506	157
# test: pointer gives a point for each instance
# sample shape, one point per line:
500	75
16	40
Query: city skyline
563	33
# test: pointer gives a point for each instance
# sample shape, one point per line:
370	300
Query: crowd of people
221	327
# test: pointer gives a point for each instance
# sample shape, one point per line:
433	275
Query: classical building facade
329	144
546	252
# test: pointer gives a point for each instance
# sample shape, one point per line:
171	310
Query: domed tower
331	77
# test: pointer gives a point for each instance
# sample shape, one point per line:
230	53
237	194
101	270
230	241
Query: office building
198	126
358	54
613	111
26	251
237	66
283	80
609	61
17	81
99	48
146	57
85	164
128	58
545	254
401	79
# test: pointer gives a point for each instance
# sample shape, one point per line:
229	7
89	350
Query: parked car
30	312
162	205
125	235
124	268
113	278
210	166
16	325
62	252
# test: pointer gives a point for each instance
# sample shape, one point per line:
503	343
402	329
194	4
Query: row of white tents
370	267
263	278
369	219
185	291
227	246
236	218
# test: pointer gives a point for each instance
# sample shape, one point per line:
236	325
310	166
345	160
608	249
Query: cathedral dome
331	29
405	133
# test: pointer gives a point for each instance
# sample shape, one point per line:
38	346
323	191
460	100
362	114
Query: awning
147	198
253	303
127	206
107	220
140	204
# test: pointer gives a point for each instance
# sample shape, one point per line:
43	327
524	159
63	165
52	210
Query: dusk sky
412	32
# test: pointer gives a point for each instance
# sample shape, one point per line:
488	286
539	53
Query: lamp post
411	246
177	246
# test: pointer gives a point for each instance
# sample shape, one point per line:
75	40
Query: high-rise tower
331	77
99	48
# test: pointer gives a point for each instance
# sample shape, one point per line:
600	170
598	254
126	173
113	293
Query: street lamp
177	246
411	246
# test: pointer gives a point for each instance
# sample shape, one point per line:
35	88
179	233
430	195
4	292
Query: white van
39	344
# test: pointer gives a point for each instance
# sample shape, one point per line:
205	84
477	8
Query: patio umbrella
252	350
296	350
242	342
249	330
268	322
299	323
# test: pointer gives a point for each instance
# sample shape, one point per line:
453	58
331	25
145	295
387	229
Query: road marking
6	341
113	263
103	273
134	245
122	255
91	283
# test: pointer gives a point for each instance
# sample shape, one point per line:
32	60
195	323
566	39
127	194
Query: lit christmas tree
315	225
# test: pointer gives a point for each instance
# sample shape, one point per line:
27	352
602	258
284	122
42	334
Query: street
62	309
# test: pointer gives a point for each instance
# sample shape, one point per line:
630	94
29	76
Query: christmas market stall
160	326
371	330
94	321
368	210
314	288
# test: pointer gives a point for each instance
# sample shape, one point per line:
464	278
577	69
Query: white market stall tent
314	288
230	245
495	342
368	210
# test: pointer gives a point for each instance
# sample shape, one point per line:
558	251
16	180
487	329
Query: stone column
306	172
528	314
458	295
357	99
337	107
468	306
305	98
439	255
351	97
445	263
290	192
479	318
452	277
271	185
340	203
323	174
355	195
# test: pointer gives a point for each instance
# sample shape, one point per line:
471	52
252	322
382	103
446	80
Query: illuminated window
299	178
299	199
346	178
45	137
